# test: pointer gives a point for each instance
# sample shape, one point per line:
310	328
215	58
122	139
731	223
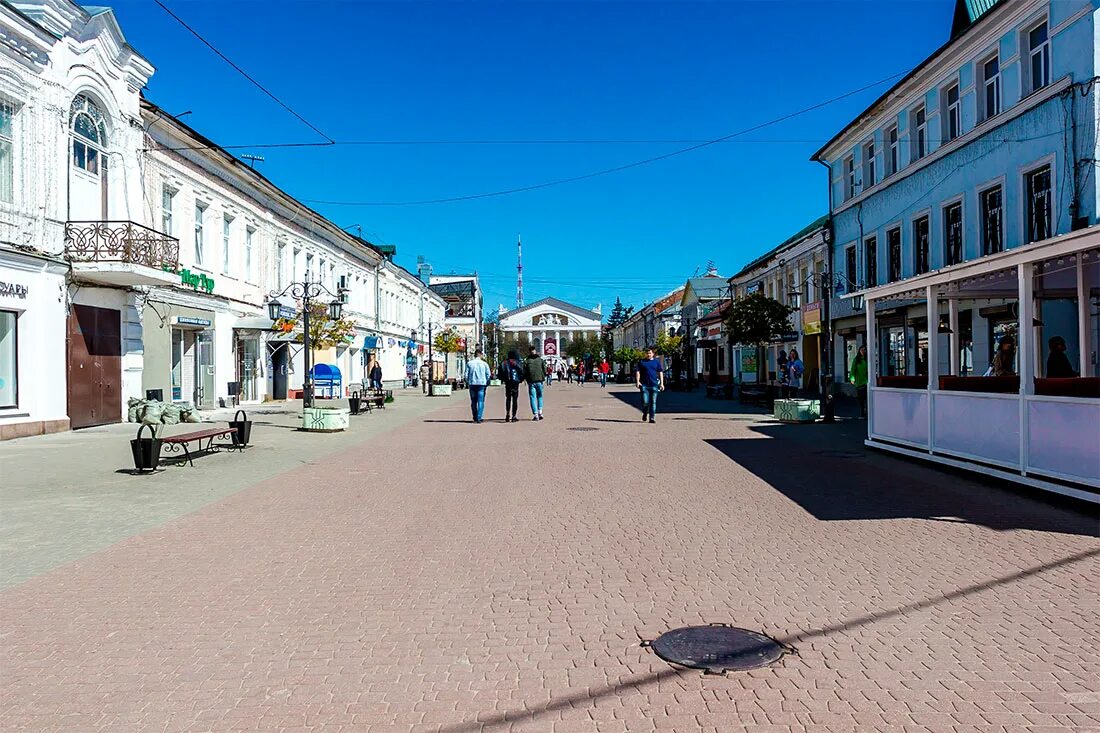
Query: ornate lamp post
307	291
430	325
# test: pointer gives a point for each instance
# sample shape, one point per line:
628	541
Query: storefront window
177	365
894	359
9	369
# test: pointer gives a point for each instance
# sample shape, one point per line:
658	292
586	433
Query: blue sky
469	70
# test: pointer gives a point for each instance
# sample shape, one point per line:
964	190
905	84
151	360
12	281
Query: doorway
278	371
95	366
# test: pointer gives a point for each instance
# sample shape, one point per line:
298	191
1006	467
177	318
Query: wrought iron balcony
122	242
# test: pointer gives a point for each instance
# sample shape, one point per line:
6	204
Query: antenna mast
519	272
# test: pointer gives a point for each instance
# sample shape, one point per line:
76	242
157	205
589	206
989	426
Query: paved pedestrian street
444	576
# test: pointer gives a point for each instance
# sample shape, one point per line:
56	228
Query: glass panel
952	234
1038	204
920	244
893	255
84	126
871	262
9	368
7	163
992	237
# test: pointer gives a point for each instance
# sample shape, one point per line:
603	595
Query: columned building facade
550	325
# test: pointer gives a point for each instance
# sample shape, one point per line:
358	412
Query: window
991	88
9	366
952	118
7	151
309	267
167	198
200	214
849	177
1037	196
953	233
921	262
1038	50
850	268
227	230
869	175
893	255
280	265
870	261
919	135
248	234
992	221
892	151
89	131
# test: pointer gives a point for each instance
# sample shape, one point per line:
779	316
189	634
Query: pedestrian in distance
569	373
549	374
858	376
781	372
534	371
604	369
795	370
580	373
477	380
1058	366
511	376
649	376
375	375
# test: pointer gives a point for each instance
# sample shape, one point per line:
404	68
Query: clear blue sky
541	70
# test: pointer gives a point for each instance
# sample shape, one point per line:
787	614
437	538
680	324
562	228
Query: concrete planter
494	382
441	390
325	419
796	411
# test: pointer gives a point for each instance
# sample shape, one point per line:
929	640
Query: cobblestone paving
453	577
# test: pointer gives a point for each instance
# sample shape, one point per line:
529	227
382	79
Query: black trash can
243	425
354	403
146	450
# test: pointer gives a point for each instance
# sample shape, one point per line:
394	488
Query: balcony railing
120	241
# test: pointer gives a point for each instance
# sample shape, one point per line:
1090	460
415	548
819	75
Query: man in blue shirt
650	378
477	380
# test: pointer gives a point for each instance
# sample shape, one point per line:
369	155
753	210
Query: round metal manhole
841	454
583	430
718	649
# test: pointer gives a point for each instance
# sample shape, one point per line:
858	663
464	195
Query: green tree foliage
448	341
757	319
324	333
619	314
589	345
627	355
668	345
518	341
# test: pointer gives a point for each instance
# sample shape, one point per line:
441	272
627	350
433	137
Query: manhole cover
841	453
582	429
717	649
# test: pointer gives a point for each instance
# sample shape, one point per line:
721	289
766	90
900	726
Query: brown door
95	366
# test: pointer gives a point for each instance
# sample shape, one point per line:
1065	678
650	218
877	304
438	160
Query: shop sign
189	321
550	347
811	318
756	287
13	290
714	330
748	362
785	337
197	282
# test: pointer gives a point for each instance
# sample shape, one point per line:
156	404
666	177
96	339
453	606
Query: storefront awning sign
371	342
189	321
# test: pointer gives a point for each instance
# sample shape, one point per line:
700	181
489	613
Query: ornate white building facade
550	324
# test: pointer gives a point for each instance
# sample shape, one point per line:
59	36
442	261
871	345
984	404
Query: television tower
519	272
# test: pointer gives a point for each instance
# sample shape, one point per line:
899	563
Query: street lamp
307	291
431	365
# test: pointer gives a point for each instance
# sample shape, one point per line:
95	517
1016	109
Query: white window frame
1021	178
987	82
200	232
7	142
870	167
959	199
918	133
849	177
866	260
1043	50
227	241
892	162
952	113
168	208
981	191
249	237
280	265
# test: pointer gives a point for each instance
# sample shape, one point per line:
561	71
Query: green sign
198	282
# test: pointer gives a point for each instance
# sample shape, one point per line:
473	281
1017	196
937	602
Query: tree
756	319
520	342
667	344
588	345
324	333
619	314
628	355
447	342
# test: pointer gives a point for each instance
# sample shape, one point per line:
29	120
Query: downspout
827	292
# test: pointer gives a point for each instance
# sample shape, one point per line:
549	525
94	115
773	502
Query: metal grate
582	429
718	648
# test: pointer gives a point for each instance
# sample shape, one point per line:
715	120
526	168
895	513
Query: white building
462	294
550	324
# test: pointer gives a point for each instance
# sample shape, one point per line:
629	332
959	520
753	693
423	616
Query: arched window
89	132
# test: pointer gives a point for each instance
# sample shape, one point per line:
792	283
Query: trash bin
146	450
243	425
354	403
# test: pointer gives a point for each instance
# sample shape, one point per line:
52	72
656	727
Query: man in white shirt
477	380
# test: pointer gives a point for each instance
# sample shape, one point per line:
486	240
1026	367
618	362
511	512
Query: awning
257	323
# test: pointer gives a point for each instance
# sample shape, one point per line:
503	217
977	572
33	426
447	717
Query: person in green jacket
858	377
534	372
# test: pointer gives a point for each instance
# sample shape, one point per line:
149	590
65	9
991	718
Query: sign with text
550	347
13	290
189	321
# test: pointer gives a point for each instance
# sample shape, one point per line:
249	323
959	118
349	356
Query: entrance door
278	372
95	366
204	370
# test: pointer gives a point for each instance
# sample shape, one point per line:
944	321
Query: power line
242	72
615	169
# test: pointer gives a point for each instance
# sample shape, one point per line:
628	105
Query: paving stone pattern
453	577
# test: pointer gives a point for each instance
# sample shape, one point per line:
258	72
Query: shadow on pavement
680	403
828	472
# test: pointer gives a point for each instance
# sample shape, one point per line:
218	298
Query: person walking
604	369
375	376
477	381
580	374
511	375
795	370
534	371
1004	361
649	375
569	369
781	372
858	376
549	374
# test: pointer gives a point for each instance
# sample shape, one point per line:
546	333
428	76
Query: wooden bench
176	443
